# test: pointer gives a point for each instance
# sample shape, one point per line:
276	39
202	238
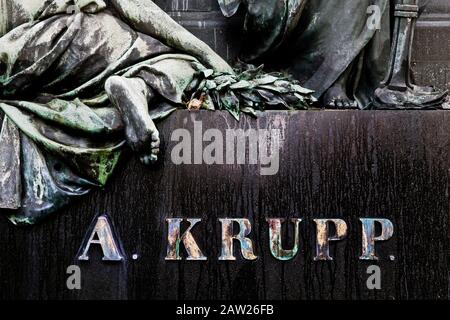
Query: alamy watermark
374	280
230	147
73	281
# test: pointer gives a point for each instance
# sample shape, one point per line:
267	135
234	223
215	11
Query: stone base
333	164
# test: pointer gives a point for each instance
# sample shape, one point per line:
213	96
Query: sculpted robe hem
68	138
319	40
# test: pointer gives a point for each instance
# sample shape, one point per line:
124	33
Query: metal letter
228	236
106	239
369	238
323	238
174	239
276	248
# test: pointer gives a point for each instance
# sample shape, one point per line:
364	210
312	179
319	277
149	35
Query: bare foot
131	96
337	98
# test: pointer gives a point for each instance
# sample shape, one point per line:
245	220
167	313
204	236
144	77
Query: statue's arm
146	17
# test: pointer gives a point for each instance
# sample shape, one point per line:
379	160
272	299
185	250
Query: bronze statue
341	49
79	79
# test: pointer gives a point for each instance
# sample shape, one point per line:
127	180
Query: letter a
101	227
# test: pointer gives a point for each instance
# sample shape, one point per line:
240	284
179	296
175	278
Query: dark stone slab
188	5
348	165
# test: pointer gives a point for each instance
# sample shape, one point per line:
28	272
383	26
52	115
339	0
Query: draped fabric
333	36
60	137
318	40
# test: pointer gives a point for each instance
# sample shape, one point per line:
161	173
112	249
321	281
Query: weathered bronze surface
275	236
67	117
240	240
398	91
79	79
340	49
10	175
175	239
324	238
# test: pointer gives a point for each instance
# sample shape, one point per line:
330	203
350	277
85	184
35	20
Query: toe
145	160
149	159
347	104
155	138
155	144
155	151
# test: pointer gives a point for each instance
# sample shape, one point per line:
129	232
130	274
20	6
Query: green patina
73	129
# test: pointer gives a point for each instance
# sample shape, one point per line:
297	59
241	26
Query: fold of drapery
62	131
318	40
333	36
10	160
60	136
